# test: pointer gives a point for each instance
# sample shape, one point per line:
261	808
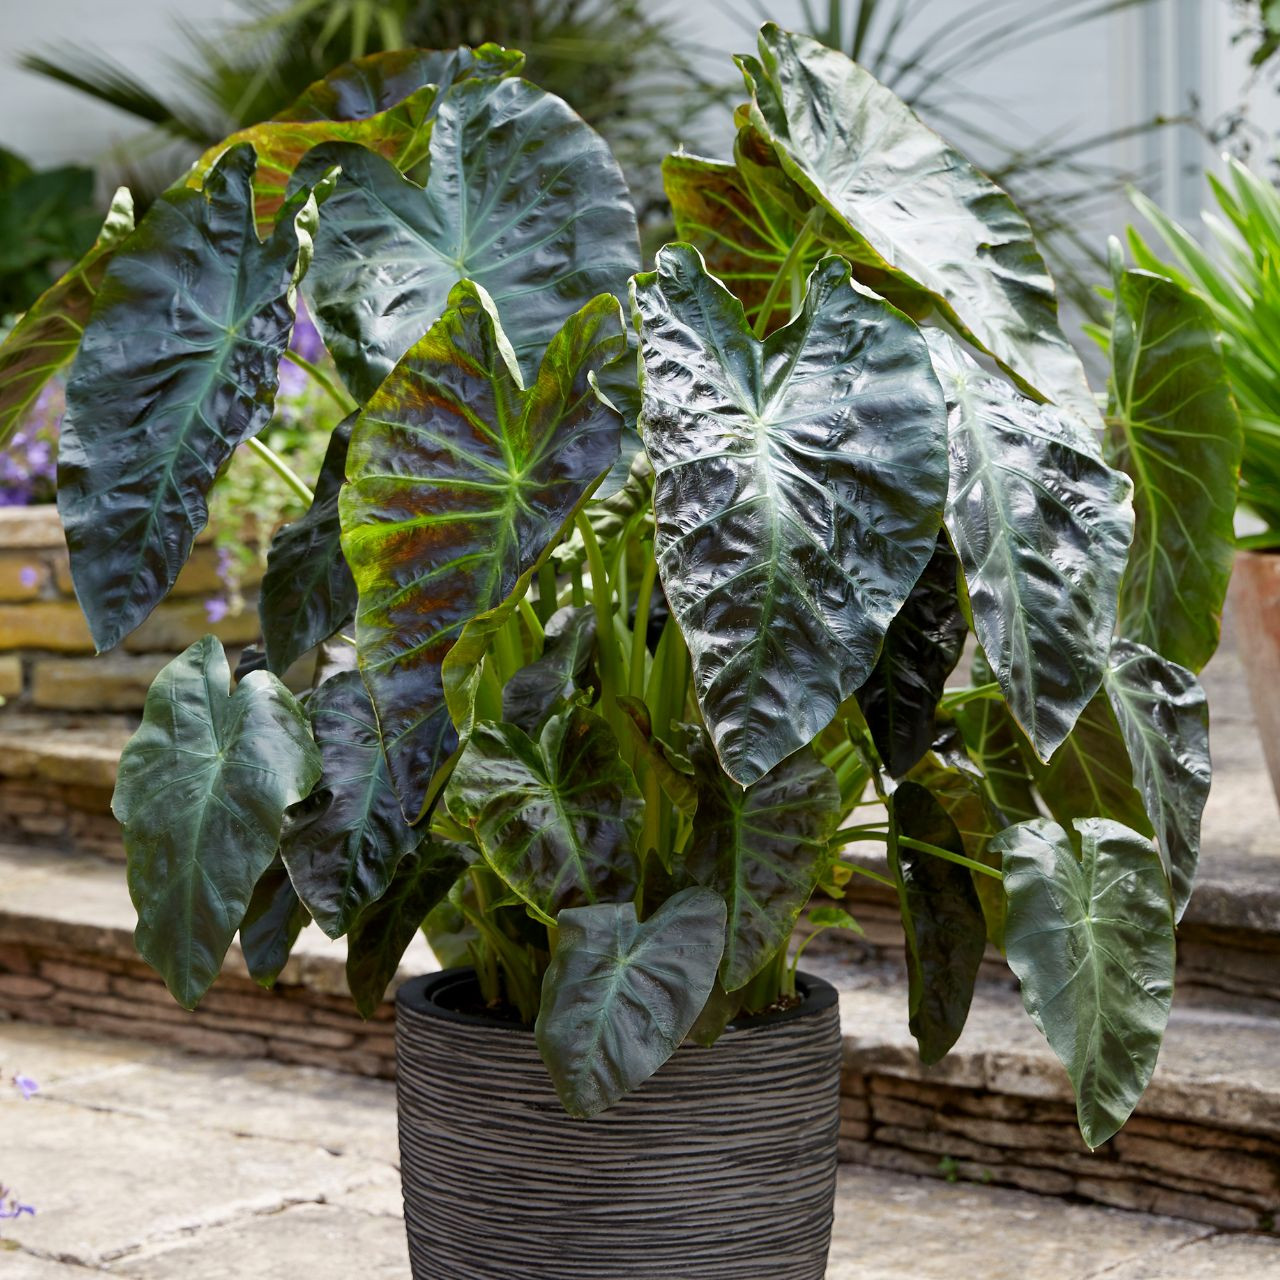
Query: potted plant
627	617
1238	289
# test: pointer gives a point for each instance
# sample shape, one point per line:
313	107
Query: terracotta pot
722	1166
1255	605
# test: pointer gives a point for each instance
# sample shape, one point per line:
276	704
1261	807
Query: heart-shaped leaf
798	492
201	793
308	592
1090	775
1091	940
460	480
536	690
366	86
1042	527
899	700
400	134
763	849
1173	426
619	997
177	367
846	140
523	198
744	236
1163	716
558	818
945	927
343	843
47	336
271	924
381	934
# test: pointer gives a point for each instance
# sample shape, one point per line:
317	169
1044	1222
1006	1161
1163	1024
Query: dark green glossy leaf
1091	940
401	135
1090	775
720	1010
957	783
557	819
764	850
47	336
798	492
308	592
899	700
744	236
523	198
995	744
343	843
460	481
535	691
923	212
1173	426
381	934
177	367
1163	717
945	928
1041	526
619	997
201	792
367	86
271	925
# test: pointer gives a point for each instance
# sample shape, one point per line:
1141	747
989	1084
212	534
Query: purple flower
293	381
29	576
216	608
10	1206
26	1086
306	337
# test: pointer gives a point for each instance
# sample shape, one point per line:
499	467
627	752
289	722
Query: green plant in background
1240	287
624	70
1059	182
645	611
48	218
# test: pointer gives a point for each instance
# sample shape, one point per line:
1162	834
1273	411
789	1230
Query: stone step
1204	1145
67	959
298	1175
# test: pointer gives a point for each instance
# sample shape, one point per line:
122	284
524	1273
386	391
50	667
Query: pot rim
418	995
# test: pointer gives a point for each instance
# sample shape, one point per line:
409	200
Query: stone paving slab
149	1164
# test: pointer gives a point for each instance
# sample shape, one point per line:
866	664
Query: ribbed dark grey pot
720	1167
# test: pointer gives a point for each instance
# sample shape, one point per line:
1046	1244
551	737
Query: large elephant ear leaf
798	493
1163	717
400	134
201	794
1090	938
178	365
1173	426
367	86
308	592
1042	527
557	818
461	478
46	337
846	140
619	996
271	924
383	931
942	918
523	198
899	700
343	843
743	234
764	849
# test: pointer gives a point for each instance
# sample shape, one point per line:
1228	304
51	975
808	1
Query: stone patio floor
152	1164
